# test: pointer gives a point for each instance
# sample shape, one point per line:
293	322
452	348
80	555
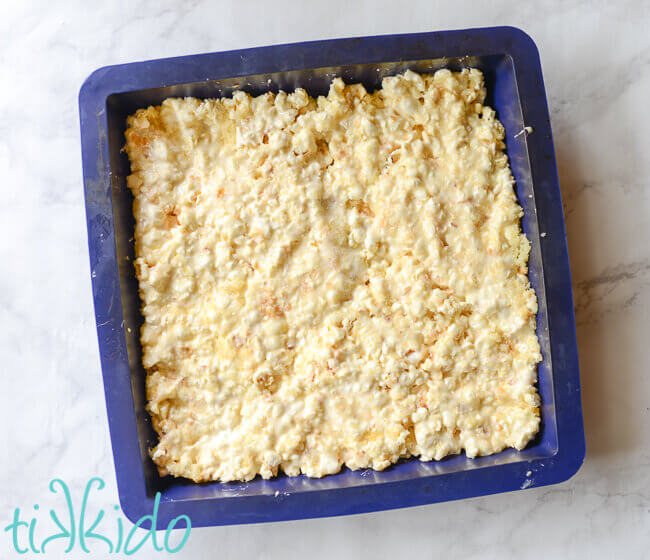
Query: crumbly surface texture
332	281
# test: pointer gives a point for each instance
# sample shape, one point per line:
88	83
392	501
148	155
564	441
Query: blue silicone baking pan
510	62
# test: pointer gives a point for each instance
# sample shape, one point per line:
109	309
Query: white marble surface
596	61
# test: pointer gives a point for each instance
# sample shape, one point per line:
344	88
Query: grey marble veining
596	61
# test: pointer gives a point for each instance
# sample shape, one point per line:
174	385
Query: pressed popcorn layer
332	281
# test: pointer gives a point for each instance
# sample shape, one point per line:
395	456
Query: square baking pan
511	66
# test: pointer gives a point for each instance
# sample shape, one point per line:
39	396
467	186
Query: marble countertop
596	62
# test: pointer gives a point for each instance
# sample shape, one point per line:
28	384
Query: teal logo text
72	528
